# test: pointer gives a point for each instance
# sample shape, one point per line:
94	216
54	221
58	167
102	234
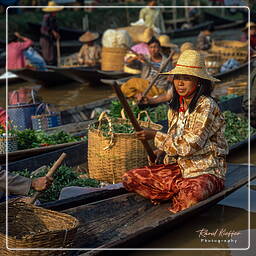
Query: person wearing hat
194	148
49	33
132	64
166	44
169	93
90	53
150	67
204	40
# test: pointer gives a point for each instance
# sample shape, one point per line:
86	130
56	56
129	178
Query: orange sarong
165	182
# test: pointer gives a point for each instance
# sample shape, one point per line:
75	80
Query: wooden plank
129	219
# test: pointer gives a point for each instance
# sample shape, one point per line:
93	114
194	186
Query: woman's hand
146	134
159	157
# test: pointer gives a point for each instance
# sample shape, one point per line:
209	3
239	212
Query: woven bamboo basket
110	158
230	49
30	226
113	59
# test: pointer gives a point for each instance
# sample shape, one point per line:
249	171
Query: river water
230	214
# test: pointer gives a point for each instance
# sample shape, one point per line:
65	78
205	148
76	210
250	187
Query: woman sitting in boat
90	53
16	45
136	86
194	147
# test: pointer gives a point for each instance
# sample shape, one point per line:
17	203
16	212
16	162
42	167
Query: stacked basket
230	50
30	226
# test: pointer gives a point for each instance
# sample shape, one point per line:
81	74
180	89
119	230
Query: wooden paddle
157	76
133	120
58	51
49	174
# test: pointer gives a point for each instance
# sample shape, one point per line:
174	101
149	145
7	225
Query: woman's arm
26	41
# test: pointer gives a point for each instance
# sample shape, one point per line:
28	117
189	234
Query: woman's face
185	84
154	49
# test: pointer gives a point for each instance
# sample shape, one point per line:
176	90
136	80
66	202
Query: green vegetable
63	177
236	128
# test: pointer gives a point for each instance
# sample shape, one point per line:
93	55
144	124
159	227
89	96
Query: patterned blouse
196	141
90	55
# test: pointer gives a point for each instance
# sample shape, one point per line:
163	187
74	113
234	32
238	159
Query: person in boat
151	17
194	148
204	39
136	86
90	52
244	37
169	93
20	186
49	33
131	63
17	44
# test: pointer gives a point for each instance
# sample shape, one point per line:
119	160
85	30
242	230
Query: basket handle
44	106
147	115
101	117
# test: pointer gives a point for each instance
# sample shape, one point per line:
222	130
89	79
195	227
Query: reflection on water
66	95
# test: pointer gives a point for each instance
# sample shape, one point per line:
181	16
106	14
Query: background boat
45	78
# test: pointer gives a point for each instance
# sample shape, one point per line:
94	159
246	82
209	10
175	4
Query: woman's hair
153	40
205	89
12	38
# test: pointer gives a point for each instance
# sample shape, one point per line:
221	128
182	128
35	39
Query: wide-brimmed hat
191	62
88	37
187	46
52	7
249	24
165	41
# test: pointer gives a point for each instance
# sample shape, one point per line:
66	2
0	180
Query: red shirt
253	42
16	58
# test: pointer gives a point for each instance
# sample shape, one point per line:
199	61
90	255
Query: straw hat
147	35
165	41
249	24
88	37
186	46
192	63
52	7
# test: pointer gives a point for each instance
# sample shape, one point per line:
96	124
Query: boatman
136	86
204	40
49	33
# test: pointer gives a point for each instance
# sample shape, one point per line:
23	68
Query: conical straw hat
192	63
88	37
52	7
165	41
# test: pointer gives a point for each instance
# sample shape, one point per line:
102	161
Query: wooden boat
233	74
45	78
186	32
25	153
128	220
216	18
88	74
12	78
65	33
